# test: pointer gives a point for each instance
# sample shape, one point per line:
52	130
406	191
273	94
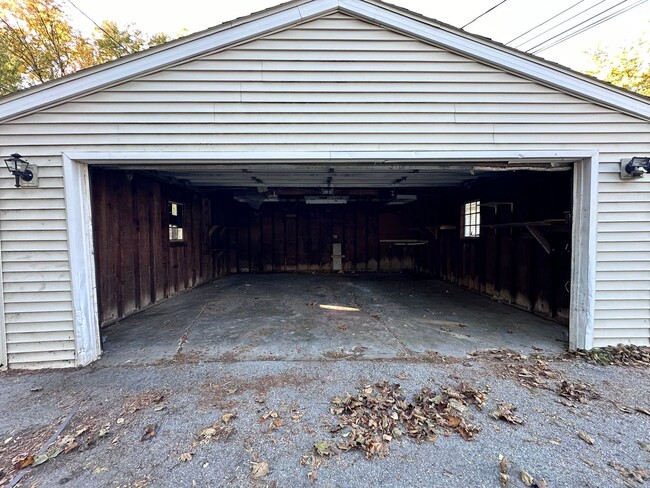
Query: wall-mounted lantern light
18	167
635	167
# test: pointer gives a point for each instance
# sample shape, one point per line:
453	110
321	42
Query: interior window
175	211
471	212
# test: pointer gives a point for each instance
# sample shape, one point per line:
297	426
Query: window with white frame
471	219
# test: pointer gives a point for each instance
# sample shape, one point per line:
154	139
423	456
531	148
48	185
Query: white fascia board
491	54
130	68
159	158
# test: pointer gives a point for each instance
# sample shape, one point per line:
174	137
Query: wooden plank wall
298	237
136	264
506	263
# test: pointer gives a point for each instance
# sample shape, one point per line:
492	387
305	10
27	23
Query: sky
505	22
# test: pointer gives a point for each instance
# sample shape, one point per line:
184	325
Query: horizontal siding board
44	288
44	337
39	347
37	307
42	359
27	317
63	326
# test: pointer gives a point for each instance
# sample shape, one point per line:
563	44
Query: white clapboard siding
332	84
35	271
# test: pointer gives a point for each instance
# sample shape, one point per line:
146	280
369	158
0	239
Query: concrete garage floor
279	316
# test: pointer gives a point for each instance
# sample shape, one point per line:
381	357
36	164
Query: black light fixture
637	166
17	166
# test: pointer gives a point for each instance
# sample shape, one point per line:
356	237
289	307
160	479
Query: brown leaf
505	411
21	461
149	432
259	470
586	437
526	478
503	470
185	457
228	417
642	410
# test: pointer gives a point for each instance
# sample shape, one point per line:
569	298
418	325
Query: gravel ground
198	394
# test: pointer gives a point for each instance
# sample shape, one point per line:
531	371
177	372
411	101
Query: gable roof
299	11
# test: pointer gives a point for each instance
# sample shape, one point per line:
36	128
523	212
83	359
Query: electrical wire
534	48
594	24
127	50
537	36
545	22
484	13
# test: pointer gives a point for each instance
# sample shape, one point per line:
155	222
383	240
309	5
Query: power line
128	51
484	13
594	24
537	36
575	26
545	22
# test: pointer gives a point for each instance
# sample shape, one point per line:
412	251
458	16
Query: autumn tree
628	68
38	43
38	37
10	78
112	41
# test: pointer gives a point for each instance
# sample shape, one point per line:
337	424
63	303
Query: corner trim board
82	262
583	256
3	329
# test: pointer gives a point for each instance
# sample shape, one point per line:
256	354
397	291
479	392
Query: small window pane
175	214
472	219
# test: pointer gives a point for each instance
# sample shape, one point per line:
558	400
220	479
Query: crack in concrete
185	335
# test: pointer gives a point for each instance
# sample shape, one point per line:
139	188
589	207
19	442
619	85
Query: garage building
327	137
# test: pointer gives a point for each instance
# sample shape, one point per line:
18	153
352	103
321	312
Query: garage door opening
454	232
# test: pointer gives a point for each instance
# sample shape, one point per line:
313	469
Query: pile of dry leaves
379	413
625	355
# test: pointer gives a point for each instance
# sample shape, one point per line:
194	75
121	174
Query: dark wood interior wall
283	237
136	265
506	262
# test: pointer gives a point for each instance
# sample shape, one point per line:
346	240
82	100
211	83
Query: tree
10	78
628	68
38	37
112	42
38	43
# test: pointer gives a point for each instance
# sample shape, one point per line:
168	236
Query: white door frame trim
82	260
82	263
3	328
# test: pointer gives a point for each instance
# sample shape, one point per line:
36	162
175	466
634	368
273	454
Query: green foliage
112	41
38	37
38	43
10	78
628	68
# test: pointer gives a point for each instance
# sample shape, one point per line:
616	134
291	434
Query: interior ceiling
272	175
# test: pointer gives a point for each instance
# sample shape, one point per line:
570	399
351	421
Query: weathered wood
136	263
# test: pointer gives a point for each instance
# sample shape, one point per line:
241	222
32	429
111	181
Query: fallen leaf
643	410
586	437
185	457
323	448
103	431
21	461
645	446
160	408
149	432
228	417
99	470
526	478
259	470
120	421
36	388
503	470
505	411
